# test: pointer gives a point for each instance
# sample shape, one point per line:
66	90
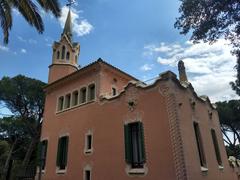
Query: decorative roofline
168	75
99	61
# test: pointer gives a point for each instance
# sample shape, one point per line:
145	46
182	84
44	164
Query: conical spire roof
68	26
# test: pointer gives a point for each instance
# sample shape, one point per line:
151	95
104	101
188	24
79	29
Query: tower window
76	59
216	147
75	98
83	95
58	54
68	56
67	101
91	92
114	91
199	145
62	152
60	103
63	52
134	144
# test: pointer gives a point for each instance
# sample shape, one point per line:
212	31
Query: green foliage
229	113
233	151
23	96
209	20
12	128
229	116
4	149
236	84
29	10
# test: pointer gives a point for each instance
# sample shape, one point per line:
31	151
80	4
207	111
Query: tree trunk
30	151
6	166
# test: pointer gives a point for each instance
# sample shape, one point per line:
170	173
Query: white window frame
72	96
87	168
95	87
86	150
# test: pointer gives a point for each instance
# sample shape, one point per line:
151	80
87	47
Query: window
63	52
76	59
43	154
62	152
87	175
83	95
216	147
75	98
67	101
88	143
114	91
199	145
91	92
58	54
134	145
60	103
68	56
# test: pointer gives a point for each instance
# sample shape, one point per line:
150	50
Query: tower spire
182	72
68	26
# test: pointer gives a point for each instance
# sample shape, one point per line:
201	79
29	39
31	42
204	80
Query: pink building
100	123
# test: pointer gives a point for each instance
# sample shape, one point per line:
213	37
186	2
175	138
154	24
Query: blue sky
136	36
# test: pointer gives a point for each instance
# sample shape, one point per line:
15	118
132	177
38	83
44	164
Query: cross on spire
68	24
70	3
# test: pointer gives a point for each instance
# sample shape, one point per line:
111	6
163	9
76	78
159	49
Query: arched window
91	92
58	54
63	52
76	59
68	55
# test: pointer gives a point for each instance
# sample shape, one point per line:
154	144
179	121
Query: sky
137	36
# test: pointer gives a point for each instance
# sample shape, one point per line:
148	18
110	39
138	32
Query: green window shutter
45	149
128	148
39	152
142	144
58	162
44	146
65	151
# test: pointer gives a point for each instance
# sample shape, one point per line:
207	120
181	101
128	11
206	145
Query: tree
29	10
229	116
209	20
24	97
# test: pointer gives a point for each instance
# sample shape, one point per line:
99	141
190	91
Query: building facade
100	123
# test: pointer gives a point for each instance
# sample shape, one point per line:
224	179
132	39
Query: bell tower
65	54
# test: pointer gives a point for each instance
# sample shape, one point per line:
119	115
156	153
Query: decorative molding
175	134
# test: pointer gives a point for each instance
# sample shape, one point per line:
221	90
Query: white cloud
168	49
146	67
30	41
16	12
80	26
4	48
210	68
24	51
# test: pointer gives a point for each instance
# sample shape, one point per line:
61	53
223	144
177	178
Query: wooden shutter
216	147
44	153
65	151
142	144
199	145
58	162
128	143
